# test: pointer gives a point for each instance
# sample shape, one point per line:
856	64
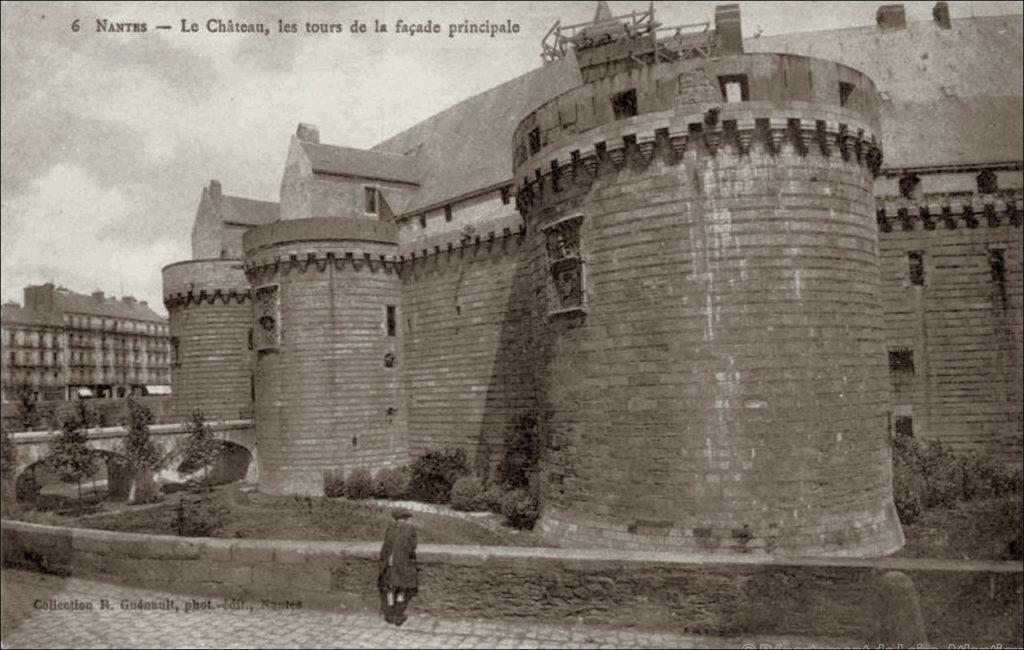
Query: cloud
70	229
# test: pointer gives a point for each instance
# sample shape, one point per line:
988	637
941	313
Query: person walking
396	567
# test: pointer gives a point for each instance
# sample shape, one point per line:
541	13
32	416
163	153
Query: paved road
41	611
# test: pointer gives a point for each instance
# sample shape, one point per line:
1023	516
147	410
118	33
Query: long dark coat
400	546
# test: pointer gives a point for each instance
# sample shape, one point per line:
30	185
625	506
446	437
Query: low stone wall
962	602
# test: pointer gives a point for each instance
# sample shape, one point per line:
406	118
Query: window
987	182
845	90
624	104
734	88
505	193
534	141
901	360
423	221
390	316
997	264
915	262
565	263
447	213
909	185
904	425
250	346
370	200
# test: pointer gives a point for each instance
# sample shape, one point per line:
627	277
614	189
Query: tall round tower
209	308
708	327
325	298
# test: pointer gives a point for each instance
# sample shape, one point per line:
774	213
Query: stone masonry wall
464	370
325	397
963	324
210	313
962	602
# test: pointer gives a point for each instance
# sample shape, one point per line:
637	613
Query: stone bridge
34	446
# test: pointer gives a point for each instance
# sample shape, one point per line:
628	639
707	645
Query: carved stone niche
267	317
566	290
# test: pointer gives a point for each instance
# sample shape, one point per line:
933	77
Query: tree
69	456
140	452
86	414
8	463
201	448
26	401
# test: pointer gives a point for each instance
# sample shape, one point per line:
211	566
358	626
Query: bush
200	517
434	473
520	509
468	494
522	453
359	485
391	483
927	475
492	497
334	483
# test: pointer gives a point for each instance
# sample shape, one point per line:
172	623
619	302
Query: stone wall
464	362
326	396
962	324
962	602
209	309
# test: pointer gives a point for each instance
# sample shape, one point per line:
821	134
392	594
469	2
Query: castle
718	274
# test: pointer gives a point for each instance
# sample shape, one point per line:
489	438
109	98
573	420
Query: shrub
522	453
520	509
201	449
434	473
492	498
391	483
468	494
200	517
69	456
359	485
334	483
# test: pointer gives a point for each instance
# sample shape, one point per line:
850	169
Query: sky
109	138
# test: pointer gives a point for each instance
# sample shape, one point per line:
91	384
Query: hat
400	513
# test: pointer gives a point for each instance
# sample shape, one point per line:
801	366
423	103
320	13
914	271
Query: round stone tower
325	332
708	325
209	308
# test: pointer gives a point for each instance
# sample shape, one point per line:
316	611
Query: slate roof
468	147
954	94
250	212
77	303
15	314
382	165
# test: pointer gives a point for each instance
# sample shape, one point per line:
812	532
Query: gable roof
249	212
468	147
346	161
110	307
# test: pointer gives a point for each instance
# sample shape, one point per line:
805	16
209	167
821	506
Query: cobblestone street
46	611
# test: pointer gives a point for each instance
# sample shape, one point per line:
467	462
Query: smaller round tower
326	337
209	308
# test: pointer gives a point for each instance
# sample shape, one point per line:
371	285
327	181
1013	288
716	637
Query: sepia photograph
580	324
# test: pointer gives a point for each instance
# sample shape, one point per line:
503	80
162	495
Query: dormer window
370	200
734	88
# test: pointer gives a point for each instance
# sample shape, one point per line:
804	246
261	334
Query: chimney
308	132
98	295
143	303
729	29
129	300
40	298
891	17
940	13
215	190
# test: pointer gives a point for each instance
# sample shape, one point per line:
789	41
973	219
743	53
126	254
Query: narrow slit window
447	213
534	141
734	88
901	360
905	426
390	319
845	90
423	221
915	262
624	104
505	192
997	264
370	200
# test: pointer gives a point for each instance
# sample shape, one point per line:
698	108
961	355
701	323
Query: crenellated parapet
950	210
193	283
730	131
